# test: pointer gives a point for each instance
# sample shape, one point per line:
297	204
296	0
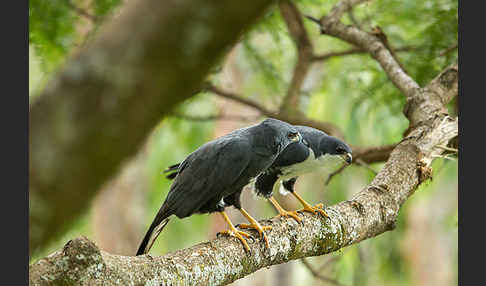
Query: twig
328	262
444	157
334	174
82	12
240	99
448	50
354	51
317	274
447	148
363	164
372	154
353	18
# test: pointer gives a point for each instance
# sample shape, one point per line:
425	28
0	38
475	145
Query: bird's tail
172	170
153	232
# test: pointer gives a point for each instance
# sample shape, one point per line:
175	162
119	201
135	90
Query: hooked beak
348	158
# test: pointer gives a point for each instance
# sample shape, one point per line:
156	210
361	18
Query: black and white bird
325	154
213	176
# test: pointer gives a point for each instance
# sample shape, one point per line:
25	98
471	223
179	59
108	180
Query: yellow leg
282	212
309	208
234	232
255	225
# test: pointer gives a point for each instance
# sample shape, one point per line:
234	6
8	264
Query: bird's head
334	146
281	133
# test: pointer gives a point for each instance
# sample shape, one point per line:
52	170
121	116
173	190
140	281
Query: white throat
324	164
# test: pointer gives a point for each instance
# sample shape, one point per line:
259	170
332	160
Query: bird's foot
239	235
293	214
261	230
319	208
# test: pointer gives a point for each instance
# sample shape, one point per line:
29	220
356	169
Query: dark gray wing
207	173
172	171
265	181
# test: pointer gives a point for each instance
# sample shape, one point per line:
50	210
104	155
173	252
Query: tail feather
153	232
172	170
171	175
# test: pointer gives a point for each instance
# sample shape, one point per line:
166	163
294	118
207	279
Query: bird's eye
293	136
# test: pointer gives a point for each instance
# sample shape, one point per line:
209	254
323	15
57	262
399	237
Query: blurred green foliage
53	23
350	91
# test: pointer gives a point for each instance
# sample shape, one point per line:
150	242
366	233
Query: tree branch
295	120
82	12
238	98
101	106
201	118
368	213
317	275
448	50
354	51
331	25
372	154
305	54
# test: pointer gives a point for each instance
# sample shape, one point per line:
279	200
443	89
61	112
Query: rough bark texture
368	213
103	103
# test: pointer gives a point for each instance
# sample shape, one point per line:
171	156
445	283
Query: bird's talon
261	230
293	214
323	213
315	209
239	235
321	206
308	209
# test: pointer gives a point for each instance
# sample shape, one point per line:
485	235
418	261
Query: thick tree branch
103	103
367	214
432	99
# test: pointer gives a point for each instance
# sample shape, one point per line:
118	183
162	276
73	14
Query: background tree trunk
119	208
100	107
